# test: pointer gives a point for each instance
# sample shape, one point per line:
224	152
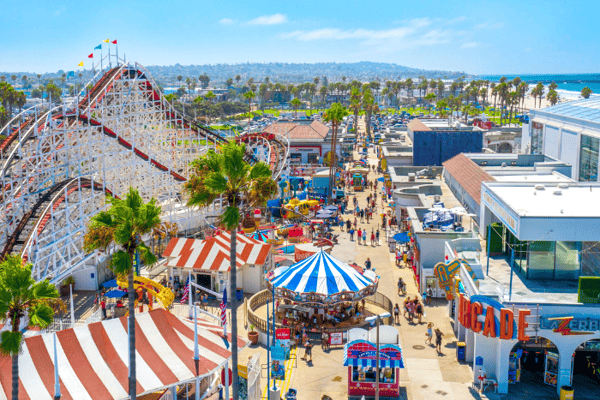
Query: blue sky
480	37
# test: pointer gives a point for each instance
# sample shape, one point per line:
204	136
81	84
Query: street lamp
370	320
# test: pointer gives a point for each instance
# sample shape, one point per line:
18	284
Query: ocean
567	82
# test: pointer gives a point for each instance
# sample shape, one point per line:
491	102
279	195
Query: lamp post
371	319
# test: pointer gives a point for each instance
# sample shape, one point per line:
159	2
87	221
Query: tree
441	108
229	82
335	115
323	93
54	92
585	92
296	103
552	97
123	225
249	95
430	99
368	101
204	80
237	79
245	187
22	297
355	105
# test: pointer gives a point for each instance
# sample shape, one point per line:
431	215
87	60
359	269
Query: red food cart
360	356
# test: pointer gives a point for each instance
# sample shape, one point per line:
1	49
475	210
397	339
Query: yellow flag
106	41
80	64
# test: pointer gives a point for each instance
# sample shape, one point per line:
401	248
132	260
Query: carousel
322	292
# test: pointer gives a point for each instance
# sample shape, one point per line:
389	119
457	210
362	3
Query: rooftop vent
557	192
503	165
483	163
411	177
563	185
540	187
513	163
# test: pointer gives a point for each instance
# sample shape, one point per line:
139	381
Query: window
313	158
367	374
588	161
296	158
537	138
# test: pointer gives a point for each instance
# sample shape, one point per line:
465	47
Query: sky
478	37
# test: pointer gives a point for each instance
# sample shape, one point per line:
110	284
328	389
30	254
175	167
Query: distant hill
298	72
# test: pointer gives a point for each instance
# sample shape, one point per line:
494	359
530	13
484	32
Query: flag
99	47
80	64
106	41
114	41
186	291
223	307
91	55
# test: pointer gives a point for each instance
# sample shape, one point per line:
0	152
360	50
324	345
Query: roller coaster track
40	213
121	134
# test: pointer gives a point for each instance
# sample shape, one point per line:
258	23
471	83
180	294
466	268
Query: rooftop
299	129
468	174
570	200
417	125
586	109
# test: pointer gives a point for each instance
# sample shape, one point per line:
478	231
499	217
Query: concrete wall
461	195
86	279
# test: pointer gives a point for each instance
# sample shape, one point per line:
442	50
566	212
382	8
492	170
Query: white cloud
469	45
274	19
341	34
226	21
489	25
456	20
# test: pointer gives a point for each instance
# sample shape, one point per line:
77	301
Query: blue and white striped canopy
322	274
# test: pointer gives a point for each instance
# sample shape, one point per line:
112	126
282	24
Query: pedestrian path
289	371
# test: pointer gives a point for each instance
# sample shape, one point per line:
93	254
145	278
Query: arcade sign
486	315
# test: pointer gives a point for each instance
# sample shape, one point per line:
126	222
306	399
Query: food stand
360	356
358	182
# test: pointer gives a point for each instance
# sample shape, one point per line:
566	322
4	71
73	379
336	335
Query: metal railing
262	298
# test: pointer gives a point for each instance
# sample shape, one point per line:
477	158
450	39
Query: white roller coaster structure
58	164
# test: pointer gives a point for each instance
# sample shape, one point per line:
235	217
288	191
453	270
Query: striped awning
213	254
93	359
360	353
321	273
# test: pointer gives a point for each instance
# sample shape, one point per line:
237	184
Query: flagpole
56	378
72	308
101	63
117	50
196	351
109	61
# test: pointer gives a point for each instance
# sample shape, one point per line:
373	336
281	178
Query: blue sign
479	361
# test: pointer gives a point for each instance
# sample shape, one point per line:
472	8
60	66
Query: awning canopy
213	254
321	273
93	359
360	353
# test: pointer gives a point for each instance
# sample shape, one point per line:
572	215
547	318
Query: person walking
324	340
429	333
359	235
364	237
355	223
351	232
406	302
397	314
400	284
411	310
429	294
103	306
362	215
307	350
348	225
377	237
419	309
438	339
372	238
368	263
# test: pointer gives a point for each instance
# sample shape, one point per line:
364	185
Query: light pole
371	319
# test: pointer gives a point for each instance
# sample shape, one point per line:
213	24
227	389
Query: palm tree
429	99
295	104
585	93
249	95
441	108
244	186
335	115
22	297
124	224
552	97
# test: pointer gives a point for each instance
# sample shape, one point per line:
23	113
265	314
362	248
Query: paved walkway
428	374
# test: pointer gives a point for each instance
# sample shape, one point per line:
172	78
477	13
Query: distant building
435	141
310	141
569	132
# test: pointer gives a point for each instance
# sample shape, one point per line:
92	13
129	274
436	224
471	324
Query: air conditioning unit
411	177
483	163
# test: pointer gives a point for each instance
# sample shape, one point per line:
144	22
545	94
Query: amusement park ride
59	163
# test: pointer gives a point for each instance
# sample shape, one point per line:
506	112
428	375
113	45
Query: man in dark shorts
308	350
438	339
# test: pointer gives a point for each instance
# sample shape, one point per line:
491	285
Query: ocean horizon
570	82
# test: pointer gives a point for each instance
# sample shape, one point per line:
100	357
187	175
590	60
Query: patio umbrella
331	208
111	283
401	237
381	179
115	294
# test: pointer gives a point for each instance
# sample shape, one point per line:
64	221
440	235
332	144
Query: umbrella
382	179
438	209
401	237
111	283
115	294
332	208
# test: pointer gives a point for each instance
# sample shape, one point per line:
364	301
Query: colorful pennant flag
106	41
99	47
80	64
91	55
114	41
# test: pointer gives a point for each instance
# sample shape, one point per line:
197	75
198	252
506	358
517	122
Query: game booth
360	356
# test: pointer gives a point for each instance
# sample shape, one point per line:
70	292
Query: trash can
566	393
460	351
239	294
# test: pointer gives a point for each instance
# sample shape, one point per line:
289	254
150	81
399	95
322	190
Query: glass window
568	261
588	161
540	260
313	158
537	138
296	158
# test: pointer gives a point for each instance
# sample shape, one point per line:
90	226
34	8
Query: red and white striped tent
213	254
93	359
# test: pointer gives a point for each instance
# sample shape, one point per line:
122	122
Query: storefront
305	154
549	345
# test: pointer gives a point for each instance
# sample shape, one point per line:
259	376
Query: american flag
223	307
186	291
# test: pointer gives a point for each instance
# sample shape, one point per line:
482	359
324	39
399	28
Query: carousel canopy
260	236
323	274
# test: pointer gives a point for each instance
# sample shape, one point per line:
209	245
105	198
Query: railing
262	298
